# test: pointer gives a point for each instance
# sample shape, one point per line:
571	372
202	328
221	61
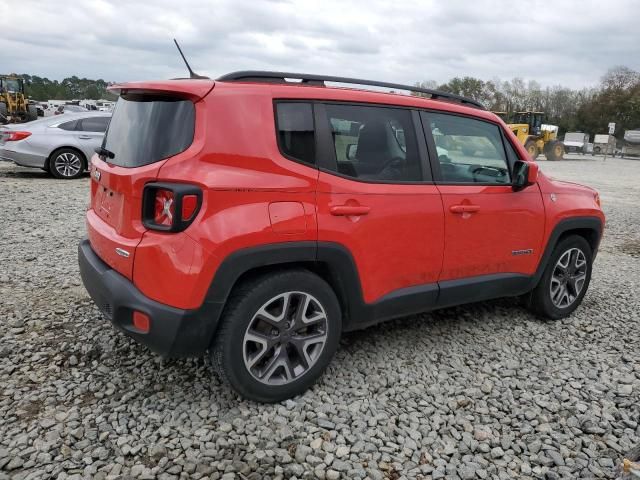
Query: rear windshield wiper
103	152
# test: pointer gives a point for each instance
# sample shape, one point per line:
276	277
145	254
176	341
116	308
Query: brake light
11	136
170	207
164	207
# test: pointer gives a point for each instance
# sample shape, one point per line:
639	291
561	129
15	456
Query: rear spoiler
190	88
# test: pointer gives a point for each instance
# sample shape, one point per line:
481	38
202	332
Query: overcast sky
554	42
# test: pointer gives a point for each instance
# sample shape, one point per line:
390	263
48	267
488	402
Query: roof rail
281	77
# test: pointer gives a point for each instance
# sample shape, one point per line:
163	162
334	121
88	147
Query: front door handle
84	137
464	208
349	210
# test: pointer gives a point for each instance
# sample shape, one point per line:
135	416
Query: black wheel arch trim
335	263
567	225
83	158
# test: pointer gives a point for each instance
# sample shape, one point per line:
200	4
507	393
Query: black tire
532	148
32	113
554	151
3	113
228	351
540	299
57	172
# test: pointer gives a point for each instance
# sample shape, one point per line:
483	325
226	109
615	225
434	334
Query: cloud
573	43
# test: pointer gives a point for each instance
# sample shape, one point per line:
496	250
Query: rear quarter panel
241	173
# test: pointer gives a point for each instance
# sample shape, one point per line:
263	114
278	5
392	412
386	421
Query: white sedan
61	145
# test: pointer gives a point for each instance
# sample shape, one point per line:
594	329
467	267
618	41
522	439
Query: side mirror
351	151
524	174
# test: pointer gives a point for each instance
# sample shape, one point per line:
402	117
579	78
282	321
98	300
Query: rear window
148	128
296	136
68	125
94	124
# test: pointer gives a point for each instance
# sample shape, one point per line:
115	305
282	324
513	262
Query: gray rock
332	475
294	469
324	423
301	453
497	452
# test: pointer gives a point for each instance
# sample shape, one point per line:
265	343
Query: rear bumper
173	333
22	158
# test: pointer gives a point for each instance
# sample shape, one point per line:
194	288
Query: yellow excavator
534	135
14	105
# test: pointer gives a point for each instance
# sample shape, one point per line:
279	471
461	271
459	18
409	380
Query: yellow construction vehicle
534	135
14	105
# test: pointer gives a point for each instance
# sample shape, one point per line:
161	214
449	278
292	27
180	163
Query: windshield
148	128
11	85
574	137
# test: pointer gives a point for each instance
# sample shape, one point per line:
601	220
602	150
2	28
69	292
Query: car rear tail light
14	136
170	207
164	208
141	322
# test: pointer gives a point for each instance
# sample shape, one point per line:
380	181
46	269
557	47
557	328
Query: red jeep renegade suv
260	215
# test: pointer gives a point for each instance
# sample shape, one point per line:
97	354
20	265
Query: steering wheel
486	170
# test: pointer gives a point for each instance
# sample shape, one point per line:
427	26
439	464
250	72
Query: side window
94	124
68	125
469	151
374	143
296	136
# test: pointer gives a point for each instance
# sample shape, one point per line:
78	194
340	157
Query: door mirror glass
352	149
524	174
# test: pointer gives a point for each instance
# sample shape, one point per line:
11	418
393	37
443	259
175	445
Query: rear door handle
84	137
464	208
349	210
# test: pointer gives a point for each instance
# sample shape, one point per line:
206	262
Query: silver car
61	145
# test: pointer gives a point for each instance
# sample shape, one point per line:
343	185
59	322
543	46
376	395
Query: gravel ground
481	391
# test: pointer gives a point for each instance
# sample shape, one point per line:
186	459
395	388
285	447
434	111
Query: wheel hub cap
568	278
67	164
285	338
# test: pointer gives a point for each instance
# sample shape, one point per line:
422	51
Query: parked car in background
631	144
61	145
604	143
576	142
70	109
260	219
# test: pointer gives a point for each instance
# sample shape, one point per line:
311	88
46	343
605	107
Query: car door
490	229
376	199
89	132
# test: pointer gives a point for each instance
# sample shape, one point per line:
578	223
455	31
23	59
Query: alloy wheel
285	338
67	164
568	278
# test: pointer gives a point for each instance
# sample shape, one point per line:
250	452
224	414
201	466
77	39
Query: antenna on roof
192	74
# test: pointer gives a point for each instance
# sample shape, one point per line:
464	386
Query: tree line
615	99
42	89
